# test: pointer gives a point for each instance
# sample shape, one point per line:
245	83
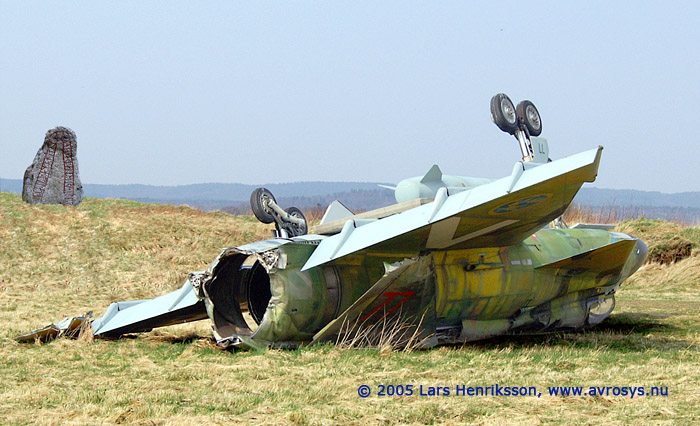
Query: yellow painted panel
489	282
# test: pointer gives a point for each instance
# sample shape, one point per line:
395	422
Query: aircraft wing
133	316
136	316
499	213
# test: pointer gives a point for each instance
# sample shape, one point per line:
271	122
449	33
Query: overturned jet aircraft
457	259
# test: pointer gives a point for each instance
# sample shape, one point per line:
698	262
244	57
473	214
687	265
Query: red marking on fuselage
391	295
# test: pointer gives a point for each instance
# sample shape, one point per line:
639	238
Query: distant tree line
357	200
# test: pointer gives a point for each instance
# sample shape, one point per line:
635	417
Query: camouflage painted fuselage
557	278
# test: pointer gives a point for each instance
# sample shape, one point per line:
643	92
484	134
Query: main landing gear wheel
295	229
503	113
259	203
528	115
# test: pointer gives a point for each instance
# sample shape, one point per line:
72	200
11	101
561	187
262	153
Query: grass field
57	261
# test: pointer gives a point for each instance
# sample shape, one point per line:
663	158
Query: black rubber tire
527	114
258	206
293	229
503	113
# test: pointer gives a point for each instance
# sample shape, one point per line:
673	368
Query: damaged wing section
133	316
68	327
138	316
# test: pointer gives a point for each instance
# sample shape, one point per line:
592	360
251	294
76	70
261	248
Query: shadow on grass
627	332
639	323
184	339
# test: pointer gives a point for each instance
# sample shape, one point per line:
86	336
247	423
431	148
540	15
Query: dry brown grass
398	332
615	214
668	242
58	261
104	251
314	214
672	272
585	214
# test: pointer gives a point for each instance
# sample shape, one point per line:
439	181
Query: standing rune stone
52	178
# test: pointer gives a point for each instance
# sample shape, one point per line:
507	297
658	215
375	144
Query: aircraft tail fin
433	175
602	258
336	211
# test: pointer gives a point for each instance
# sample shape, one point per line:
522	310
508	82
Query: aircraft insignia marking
522	203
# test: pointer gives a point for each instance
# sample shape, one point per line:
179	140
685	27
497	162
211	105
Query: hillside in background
362	196
628	203
212	196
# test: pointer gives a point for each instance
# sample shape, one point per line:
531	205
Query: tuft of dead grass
397	332
586	214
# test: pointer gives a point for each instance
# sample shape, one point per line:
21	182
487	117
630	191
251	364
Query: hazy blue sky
188	92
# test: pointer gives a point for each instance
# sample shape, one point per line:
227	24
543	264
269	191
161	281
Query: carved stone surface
52	178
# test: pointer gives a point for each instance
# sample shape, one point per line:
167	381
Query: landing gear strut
288	223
